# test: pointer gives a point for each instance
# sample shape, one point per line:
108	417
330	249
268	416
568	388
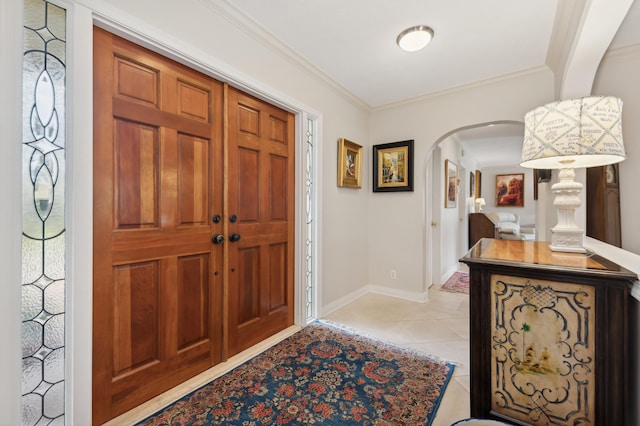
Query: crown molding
622	52
464	87
253	29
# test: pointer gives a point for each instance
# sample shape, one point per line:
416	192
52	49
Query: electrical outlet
393	274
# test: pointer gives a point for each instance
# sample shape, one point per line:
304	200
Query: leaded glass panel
308	204
43	204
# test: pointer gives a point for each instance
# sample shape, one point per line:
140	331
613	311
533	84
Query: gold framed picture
450	184
349	164
393	167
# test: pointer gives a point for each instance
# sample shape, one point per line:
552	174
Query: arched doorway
493	147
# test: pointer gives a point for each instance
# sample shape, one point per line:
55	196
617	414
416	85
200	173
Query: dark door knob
234	237
217	239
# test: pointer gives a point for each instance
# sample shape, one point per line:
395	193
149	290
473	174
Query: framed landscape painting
393	167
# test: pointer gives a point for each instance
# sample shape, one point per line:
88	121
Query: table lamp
581	132
479	203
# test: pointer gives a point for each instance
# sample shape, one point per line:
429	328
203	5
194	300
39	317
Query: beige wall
362	235
428	121
618	76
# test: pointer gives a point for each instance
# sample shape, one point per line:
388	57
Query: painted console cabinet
550	335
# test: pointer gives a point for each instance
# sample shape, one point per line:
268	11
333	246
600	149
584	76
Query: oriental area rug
323	374
457	283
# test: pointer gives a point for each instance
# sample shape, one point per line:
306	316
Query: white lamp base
567	240
566	236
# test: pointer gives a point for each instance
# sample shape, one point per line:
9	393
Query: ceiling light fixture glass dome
414	38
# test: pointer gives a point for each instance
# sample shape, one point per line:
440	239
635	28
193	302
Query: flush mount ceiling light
414	38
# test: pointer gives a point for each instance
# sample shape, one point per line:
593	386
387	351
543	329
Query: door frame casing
80	183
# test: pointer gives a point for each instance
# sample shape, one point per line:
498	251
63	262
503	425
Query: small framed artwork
478	184
393	167
472	185
510	190
451	184
349	164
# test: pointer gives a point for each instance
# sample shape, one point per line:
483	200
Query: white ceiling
492	146
353	44
354	41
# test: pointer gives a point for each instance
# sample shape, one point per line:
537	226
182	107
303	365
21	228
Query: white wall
528	212
428	121
450	245
618	76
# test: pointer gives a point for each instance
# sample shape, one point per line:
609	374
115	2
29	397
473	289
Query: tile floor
439	327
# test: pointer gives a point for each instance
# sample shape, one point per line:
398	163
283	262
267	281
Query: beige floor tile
454	406
438	327
460	326
464	381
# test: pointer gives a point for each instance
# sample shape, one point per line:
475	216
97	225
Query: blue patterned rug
323	374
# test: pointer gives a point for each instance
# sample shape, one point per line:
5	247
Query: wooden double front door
193	223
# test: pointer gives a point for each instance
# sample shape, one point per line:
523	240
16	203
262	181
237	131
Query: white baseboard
419	297
448	274
344	300
413	296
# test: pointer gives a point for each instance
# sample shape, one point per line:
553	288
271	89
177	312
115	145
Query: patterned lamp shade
581	132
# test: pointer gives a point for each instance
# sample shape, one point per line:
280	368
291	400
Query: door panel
278	180
248	285
248	185
261	188
277	278
135	309
136	147
193	176
158	279
193	312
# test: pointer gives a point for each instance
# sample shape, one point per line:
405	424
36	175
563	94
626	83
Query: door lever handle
234	237
217	239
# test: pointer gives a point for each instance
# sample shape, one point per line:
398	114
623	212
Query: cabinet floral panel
543	351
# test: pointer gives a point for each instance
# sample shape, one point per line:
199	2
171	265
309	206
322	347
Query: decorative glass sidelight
308	204
43	203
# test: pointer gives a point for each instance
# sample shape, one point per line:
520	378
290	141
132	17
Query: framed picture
472	185
393	167
510	190
349	164
478	184
451	184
